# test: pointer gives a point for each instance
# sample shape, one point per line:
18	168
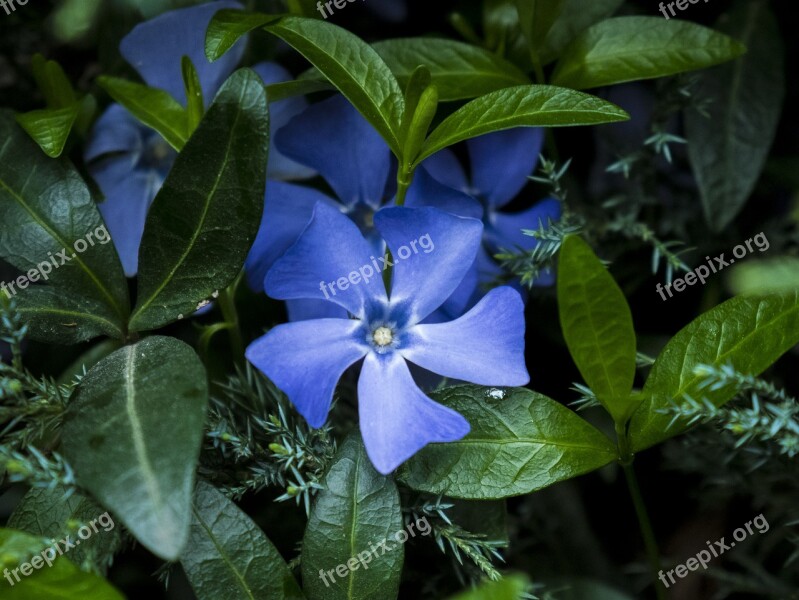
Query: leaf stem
227	303
404	179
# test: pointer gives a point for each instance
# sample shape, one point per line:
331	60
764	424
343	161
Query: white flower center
382	336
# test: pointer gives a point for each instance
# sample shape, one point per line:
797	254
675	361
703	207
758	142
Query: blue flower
306	359
128	160
332	138
500	165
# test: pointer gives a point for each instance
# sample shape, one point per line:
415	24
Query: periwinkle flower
500	164
332	138
130	161
306	359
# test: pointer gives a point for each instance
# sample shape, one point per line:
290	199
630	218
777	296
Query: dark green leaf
228	26
575	17
205	217
511	587
50	127
357	510
153	107
288	89
61	581
632	48
228	556
46	208
53	82
195	107
522	106
598	326
460	71
521	441
748	333
728	150
536	18
133	433
47	513
485	517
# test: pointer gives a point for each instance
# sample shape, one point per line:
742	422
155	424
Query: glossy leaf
575	17
460	71
133	433
357	510
46	513
50	127
61	581
598	326
512	587
632	48
153	107
206	215
228	556
728	150
521	441
750	333
522	106
45	208
228	26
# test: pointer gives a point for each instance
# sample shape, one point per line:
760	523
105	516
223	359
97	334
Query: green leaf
522	106
575	17
598	326
484	517
748	333
728	150
520	441
61	581
228	556
353	67
50	127
53	82
288	89
153	107
357	510
460	71
228	26
60	317
205	217
511	587
632	48
195	107
536	18
761	277
46	208
47	513
133	432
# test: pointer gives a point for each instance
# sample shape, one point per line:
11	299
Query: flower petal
445	167
485	346
287	210
427	191
116	131
333	138
502	161
306	360
433	251
397	419
307	310
125	211
327	252
506	229
280	113
156	47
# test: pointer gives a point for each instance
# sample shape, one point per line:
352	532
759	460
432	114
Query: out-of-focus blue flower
128	160
306	359
332	138
500	164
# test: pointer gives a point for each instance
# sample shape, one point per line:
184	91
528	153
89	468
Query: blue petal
280	113
328	251
287	210
465	295
156	47
333	138
433	251
116	131
506	229
427	191
502	161
307	310
445	168
485	346
125	211
397	419
306	360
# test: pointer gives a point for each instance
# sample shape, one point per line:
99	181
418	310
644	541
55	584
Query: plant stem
645	525
404	179
227	303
